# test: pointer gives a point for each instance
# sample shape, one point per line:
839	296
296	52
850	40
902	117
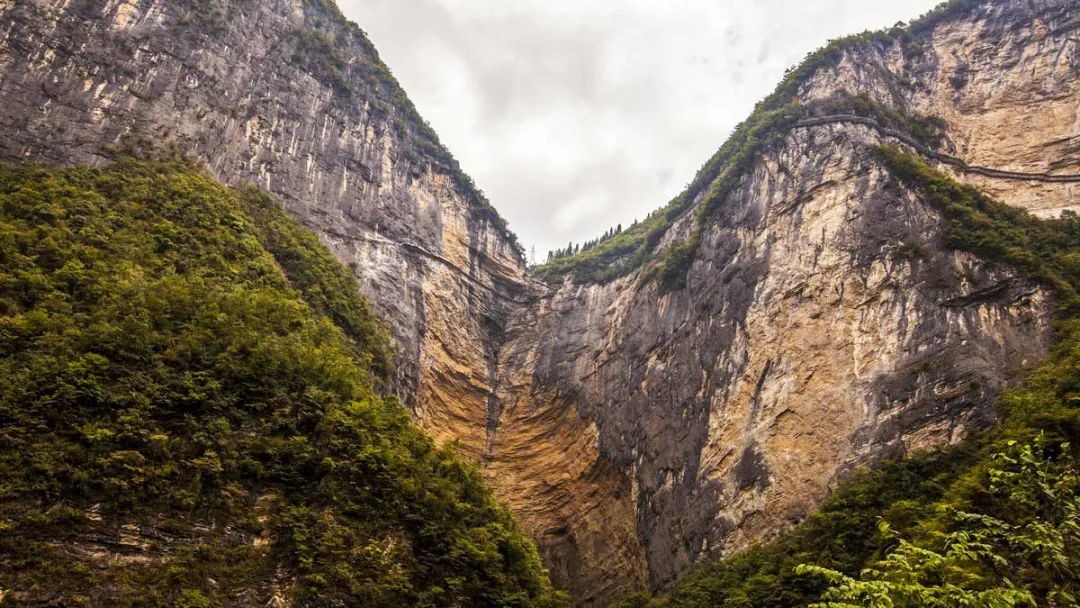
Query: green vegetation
1027	555
572	249
316	52
723	172
613	257
617	255
627	251
185	371
671	269
976	223
919	497
325	285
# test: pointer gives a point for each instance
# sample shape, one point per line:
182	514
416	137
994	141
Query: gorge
688	388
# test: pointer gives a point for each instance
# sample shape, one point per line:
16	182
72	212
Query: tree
1025	551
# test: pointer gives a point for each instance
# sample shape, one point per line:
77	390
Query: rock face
288	96
634	430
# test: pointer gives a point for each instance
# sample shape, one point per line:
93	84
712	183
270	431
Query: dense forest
993	522
192	414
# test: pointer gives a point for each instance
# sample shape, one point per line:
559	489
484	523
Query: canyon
634	427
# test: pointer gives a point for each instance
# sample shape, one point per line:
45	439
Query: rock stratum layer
633	428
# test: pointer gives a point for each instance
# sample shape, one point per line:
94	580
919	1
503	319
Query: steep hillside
189	415
919	496
797	312
795	266
287	95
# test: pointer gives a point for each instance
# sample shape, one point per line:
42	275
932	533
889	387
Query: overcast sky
576	115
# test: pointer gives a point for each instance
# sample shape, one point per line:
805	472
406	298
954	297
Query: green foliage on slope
189	414
841	534
1046	250
916	496
1025	554
627	251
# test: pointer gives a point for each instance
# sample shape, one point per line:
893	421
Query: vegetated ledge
671	267
624	253
940	157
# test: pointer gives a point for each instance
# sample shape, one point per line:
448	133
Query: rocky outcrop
633	428
1002	76
823	324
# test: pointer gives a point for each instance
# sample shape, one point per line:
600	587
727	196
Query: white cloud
576	115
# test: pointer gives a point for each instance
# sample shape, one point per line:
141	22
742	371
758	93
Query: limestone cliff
819	325
289	96
633	426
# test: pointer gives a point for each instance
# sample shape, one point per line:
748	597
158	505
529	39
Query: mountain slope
918	496
291	97
798	313
189	414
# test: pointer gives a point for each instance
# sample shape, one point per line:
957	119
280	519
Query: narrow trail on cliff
935	155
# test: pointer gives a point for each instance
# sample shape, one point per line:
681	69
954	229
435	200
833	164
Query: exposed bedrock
823	324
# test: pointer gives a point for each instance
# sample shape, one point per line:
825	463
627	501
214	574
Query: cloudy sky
575	115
